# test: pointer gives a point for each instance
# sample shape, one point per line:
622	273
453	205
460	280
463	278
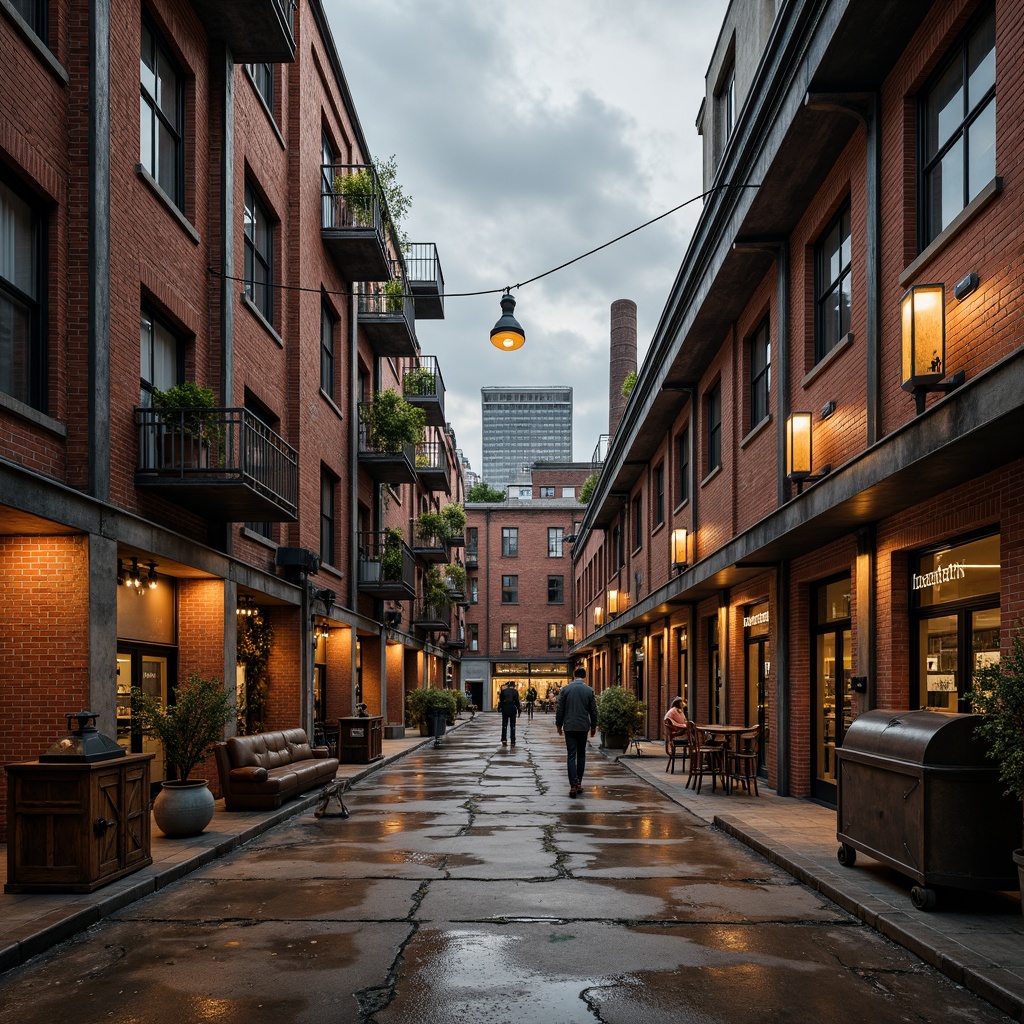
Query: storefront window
956	591
756	629
833	704
717	695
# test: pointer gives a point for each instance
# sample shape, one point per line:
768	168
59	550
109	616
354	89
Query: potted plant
420	703
393	423
394	295
998	695
419	381
391	556
620	716
455	574
431	525
358	189
189	730
436	594
190	425
454	518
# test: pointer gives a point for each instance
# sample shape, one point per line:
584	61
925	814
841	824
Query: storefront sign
760	619
944	574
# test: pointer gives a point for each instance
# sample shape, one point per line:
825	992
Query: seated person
675	718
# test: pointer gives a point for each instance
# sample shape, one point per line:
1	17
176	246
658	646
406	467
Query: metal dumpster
917	792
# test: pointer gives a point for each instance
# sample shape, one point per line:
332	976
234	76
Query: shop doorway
716	697
833	699
150	670
683	682
756	627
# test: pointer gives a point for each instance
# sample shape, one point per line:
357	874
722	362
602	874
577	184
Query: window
162	117
259	255
510	590
683	461
474	589
474	636
618	553
35	14
832	285
327	323
638	526
160	357
22	334
760	374
327	484
510	542
328	160
659	495
568	492
726	102
555	630
713	418
547	492
556	590
509	636
958	128
555	537
263	79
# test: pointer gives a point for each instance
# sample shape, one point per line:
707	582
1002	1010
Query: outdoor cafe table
729	734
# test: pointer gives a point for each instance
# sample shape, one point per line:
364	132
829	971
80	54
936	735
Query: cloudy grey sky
528	132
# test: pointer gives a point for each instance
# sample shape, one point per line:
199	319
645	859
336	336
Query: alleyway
467	887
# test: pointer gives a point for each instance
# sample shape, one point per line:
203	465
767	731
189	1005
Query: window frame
827	284
760	355
35	393
262	76
328	507
713	422
659	495
683	464
556	634
557	589
255	204
37	17
329	322
510	542
151	164
959	52
509	588
510	636
636	509
556	540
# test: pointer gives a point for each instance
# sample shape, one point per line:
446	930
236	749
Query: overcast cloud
527	133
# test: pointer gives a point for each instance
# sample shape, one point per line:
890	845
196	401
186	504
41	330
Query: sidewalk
33	922
975	938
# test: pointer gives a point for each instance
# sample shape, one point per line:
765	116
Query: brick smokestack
623	357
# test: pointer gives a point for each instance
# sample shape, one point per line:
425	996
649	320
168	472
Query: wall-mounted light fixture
613	602
598	616
507	334
246	606
965	286
679	557
321	631
923	309
570	632
799	456
828	409
131	576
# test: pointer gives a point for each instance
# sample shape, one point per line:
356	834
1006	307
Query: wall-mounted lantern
799	453
679	557
923	316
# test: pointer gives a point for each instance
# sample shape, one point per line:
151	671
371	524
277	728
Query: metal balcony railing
386	566
432	466
423	272
223	462
423	386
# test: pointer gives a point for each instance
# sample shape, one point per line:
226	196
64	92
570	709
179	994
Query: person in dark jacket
575	713
511	708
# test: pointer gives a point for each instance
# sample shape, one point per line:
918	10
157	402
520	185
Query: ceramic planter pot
614	740
183	808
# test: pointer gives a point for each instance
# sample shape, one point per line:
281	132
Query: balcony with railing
387	316
387	568
385	460
426	282
432	468
472	558
432	617
354	223
224	464
254	30
423	387
427	545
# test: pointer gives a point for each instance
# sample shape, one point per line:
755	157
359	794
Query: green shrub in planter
620	713
419	381
419	703
454	517
391	557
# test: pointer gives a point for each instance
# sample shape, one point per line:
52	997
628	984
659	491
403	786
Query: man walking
575	713
510	707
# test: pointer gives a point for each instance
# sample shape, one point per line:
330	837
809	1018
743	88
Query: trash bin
917	792
437	720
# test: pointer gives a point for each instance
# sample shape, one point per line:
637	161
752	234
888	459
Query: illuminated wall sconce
246	607
923	310
679	557
965	286
598	616
828	409
799	456
131	576
613	602
321	631
570	632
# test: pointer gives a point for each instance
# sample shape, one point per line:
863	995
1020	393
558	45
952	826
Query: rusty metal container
917	792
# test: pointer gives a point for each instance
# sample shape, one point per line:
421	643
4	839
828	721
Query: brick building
206	220
519	600
805	523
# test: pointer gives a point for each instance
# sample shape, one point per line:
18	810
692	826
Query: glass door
149	672
833	699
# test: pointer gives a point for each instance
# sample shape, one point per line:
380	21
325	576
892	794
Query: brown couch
261	771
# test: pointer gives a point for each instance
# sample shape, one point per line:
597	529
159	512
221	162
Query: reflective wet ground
468	887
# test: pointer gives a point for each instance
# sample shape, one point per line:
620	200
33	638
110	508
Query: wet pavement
468	886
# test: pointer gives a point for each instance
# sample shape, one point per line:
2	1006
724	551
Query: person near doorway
511	708
575	713
531	699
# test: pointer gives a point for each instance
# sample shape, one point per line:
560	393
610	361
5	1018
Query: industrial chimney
623	357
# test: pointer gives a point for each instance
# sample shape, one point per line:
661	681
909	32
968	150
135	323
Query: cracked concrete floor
467	887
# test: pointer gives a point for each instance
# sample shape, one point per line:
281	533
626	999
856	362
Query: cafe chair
743	761
705	759
677	744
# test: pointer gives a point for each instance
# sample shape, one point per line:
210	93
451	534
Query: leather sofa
261	771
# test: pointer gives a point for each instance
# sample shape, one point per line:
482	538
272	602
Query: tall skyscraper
521	426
